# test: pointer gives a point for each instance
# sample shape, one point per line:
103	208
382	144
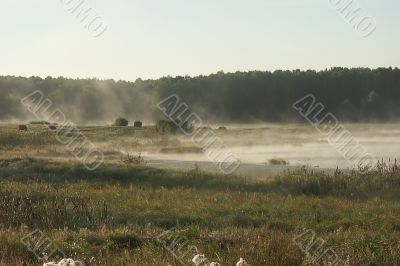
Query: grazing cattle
23	128
138	124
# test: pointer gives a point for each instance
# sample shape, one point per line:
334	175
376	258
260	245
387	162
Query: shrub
39	123
169	126
131	159
278	162
121	122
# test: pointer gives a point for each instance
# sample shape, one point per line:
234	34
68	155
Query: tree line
356	95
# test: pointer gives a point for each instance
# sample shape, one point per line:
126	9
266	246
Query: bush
39	123
121	122
169	126
277	162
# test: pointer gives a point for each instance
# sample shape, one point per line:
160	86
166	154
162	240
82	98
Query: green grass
119	211
114	215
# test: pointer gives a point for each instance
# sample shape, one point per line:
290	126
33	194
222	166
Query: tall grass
12	139
116	213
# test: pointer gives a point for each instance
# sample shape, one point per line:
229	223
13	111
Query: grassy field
116	214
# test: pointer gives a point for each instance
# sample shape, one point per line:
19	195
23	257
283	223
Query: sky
154	38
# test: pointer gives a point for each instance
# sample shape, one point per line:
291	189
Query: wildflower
242	262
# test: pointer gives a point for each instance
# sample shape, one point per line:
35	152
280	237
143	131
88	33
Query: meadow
116	214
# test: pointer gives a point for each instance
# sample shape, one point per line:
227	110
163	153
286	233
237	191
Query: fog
259	146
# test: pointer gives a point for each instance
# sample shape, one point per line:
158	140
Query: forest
352	94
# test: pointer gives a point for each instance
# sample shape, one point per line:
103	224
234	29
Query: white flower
242	262
199	259
64	262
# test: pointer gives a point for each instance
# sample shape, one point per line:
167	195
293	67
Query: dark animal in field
52	128
138	124
23	128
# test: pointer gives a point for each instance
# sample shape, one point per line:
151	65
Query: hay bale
22	128
121	122
138	124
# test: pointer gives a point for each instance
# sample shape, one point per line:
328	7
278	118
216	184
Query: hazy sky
154	38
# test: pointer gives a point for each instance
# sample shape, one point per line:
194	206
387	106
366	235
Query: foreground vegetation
113	216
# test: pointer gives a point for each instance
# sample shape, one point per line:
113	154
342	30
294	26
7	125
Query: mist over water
244	97
296	144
